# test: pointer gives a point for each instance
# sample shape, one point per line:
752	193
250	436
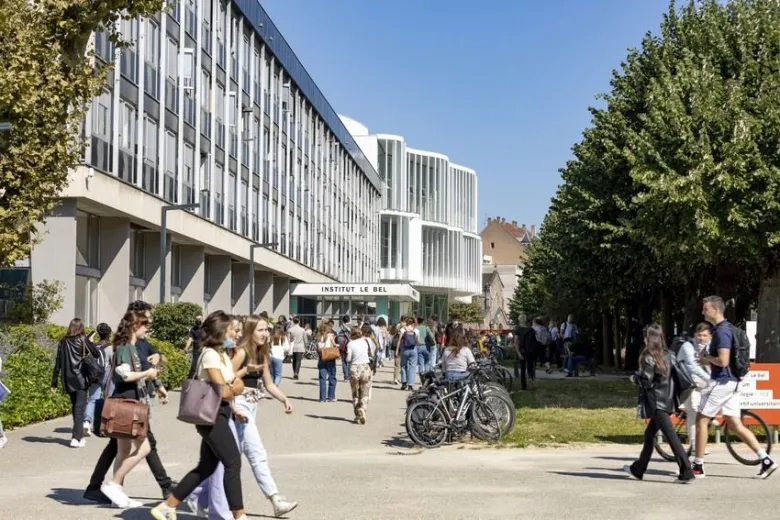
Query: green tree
171	322
468	312
48	77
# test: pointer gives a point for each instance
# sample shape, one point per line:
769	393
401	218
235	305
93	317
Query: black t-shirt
196	333
526	339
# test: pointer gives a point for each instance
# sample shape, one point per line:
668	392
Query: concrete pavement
340	470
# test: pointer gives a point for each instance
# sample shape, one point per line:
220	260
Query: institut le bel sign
356	290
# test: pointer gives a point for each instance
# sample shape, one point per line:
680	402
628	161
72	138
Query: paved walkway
332	466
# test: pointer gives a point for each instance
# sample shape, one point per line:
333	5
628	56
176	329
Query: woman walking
280	347
71	351
360	350
326	369
129	382
217	444
105	353
658	400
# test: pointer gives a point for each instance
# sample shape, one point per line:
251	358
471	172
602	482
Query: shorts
691	405
720	396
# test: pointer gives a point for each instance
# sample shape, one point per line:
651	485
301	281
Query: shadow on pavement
585	474
624	459
399	441
62	429
47	440
622	439
328	418
72	497
647	472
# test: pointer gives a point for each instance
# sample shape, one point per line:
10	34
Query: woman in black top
658	400
71	351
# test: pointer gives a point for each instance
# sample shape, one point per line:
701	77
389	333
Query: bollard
717	434
776	435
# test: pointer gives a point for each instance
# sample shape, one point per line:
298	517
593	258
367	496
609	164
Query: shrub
178	366
37	304
171	322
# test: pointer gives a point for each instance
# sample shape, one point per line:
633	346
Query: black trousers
526	369
661	420
194	365
217	445
297	357
109	454
78	403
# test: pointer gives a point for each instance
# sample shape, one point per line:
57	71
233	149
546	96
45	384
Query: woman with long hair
360	351
326	369
280	347
658	400
129	382
71	351
218	443
457	357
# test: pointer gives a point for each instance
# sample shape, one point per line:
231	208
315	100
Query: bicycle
734	444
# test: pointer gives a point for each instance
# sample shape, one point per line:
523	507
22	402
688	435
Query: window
205	104
189	174
245	64
218	191
233	122
205	39
190	19
234	50
129	60
176	254
172	76
87	240
101	132
231	201
220	116
171	172
152	59
127	140
256	146
221	29
265	220
253	215
188	78
244	217
150	155
137	252
175	9
104	49
256	76
87	299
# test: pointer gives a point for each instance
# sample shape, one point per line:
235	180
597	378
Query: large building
428	221
210	106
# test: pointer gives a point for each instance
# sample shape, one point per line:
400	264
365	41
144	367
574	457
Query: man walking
722	391
297	337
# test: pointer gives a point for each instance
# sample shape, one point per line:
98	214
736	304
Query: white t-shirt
359	349
278	351
456	363
210	358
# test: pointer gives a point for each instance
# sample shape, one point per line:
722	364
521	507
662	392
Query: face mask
229	343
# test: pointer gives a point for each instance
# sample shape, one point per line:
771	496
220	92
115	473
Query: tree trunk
606	338
616	331
768	326
632	328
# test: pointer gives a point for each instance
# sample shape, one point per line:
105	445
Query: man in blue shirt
722	392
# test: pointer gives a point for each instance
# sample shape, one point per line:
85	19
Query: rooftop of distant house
522	233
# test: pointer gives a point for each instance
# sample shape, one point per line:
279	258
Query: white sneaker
3	441
163	512
117	495
87	429
75	444
282	506
83	443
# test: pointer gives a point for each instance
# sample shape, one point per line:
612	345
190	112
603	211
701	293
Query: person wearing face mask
690	354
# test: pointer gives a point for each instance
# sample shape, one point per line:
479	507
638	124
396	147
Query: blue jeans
423	358
573	361
345	366
408	365
276	370
93	394
434	357
327	372
452	375
252	446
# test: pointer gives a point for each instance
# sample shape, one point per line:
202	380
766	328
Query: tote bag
200	400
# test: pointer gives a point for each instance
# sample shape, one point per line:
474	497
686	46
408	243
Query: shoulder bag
329	353
91	368
200	400
123	418
371	357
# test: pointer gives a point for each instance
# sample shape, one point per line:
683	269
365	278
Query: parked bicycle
739	450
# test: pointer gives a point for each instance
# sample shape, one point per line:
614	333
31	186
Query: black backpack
684	384
739	362
677	343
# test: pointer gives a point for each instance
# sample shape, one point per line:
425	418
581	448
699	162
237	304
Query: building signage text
354	289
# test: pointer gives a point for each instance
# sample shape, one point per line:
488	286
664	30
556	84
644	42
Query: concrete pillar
114	290
240	287
54	257
193	274
219	281
264	300
152	268
281	295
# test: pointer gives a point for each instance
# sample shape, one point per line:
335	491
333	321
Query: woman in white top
326	369
217	444
360	350
457	357
280	347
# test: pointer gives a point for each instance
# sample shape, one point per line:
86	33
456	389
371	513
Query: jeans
78	402
252	447
217	445
575	360
93	394
453	375
434	357
345	366
297	358
276	370
211	493
661	420
423	359
408	365
327	373
109	454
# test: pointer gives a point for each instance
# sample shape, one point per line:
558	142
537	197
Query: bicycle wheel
426	424
741	451
503	407
661	443
484	423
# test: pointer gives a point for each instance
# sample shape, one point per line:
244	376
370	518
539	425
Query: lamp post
252	248
164	239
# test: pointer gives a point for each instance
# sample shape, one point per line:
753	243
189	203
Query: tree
36	303
468	312
171	322
48	77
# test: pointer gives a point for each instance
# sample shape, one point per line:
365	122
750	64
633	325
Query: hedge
29	352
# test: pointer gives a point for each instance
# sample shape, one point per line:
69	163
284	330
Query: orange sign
760	391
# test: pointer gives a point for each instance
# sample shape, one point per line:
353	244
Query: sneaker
75	443
404	386
396	382
87	429
684	479
282	506
95	495
192	504
768	466
164	512
116	494
83	443
361	416
630	472
698	471
3	441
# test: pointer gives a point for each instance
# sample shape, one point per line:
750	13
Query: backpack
684	384
677	343
739	361
409	339
531	344
342	338
92	368
543	336
428	340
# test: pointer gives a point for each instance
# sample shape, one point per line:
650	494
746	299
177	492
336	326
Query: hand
152	373
154	359
287	406
241	418
237	386
162	393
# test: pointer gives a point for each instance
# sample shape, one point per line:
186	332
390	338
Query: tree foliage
674	189
171	322
48	77
468	312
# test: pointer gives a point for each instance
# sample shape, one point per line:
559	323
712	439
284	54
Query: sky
501	86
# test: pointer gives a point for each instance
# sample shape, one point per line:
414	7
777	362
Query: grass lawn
563	411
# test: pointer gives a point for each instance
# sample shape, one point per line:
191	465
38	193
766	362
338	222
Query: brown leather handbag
329	353
123	418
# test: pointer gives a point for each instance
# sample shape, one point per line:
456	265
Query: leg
252	447
194	364
78	401
531	367
93	394
332	378
323	380
404	363
665	424
639	467
354	385
690	420
523	372
156	465
702	432
411	369
365	390
131	452
735	425
103	465
297	359
396	368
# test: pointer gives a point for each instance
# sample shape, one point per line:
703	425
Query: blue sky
502	86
